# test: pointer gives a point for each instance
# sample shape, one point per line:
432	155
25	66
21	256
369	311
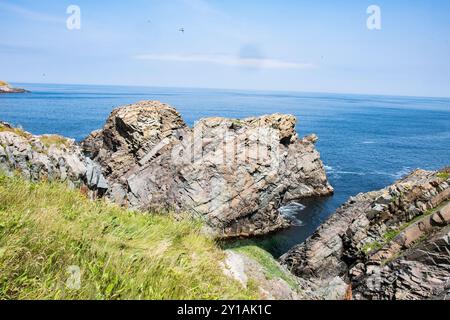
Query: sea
366	141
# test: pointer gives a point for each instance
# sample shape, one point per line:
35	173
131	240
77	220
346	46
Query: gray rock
373	245
94	176
47	157
233	173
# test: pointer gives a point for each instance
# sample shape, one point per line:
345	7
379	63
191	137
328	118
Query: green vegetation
237	123
46	229
391	235
371	246
17	131
272	269
443	175
48	140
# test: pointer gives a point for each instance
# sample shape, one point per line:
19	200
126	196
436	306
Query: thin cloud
226	60
29	14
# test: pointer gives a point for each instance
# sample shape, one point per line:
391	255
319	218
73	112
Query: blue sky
311	46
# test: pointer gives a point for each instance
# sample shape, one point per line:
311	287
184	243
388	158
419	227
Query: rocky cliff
233	173
389	244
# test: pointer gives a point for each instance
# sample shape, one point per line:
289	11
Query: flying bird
181	30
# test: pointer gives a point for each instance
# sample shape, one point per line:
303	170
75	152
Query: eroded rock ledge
233	173
389	244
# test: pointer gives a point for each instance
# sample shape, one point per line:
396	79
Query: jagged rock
134	134
234	173
422	272
47	158
388	244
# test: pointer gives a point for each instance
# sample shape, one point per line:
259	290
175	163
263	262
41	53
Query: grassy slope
3	83
46	228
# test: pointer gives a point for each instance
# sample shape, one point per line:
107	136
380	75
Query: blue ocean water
366	142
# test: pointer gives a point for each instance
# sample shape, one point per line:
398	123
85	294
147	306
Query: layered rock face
390	244
48	157
234	173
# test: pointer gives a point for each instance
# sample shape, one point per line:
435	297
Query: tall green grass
45	228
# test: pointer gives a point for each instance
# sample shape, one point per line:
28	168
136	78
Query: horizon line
236	89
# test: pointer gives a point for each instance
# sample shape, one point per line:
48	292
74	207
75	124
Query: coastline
6	88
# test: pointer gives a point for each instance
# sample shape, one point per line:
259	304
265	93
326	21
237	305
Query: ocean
366	142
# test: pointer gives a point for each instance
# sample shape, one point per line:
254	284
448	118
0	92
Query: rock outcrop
389	244
48	157
233	173
6	88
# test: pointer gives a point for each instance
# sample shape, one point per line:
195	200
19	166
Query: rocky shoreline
6	88
388	244
234	174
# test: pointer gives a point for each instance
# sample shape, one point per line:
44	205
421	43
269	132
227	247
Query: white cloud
227	60
29	14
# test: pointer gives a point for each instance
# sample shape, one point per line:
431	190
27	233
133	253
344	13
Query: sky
305	46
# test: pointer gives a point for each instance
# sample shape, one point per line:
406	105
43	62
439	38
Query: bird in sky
182	30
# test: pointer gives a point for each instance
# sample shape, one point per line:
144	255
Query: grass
47	231
17	131
3	83
49	140
272	269
371	246
443	175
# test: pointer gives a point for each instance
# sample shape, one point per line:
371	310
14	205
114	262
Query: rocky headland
6	88
234	174
388	244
